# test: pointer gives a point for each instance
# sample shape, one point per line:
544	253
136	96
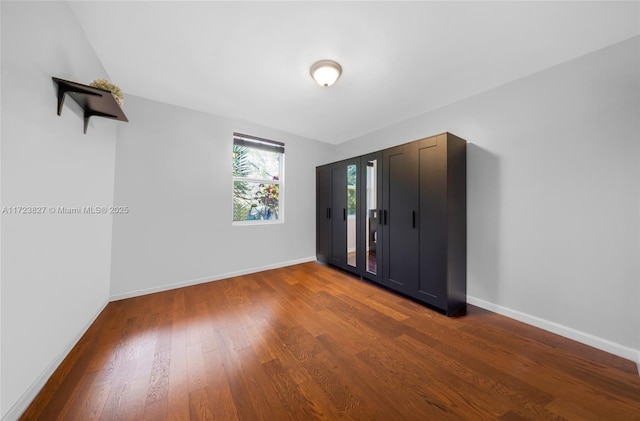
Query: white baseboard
30	394
218	277
577	335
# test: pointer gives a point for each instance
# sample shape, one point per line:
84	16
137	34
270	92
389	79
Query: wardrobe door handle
329	209
385	217
413	214
344	214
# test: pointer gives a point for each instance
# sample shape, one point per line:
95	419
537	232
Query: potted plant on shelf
111	87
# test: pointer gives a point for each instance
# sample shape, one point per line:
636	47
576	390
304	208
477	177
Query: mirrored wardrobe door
371	198
351	214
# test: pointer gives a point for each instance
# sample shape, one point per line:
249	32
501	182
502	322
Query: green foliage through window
256	184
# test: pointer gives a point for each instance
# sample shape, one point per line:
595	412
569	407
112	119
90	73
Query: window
258	168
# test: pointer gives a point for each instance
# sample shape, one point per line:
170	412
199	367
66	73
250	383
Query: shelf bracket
63	90
88	114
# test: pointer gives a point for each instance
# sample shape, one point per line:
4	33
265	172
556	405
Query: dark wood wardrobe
398	217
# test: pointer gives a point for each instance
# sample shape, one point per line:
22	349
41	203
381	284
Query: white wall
553	195
55	268
173	170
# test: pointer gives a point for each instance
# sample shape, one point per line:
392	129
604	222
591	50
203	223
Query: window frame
258	143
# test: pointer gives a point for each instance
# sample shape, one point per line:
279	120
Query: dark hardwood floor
310	342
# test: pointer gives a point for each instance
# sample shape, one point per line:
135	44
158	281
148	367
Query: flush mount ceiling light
325	72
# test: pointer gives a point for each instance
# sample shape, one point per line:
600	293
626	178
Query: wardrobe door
400	219
345	214
353	219
338	215
323	213
371	205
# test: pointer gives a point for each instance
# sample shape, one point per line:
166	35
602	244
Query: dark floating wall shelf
94	101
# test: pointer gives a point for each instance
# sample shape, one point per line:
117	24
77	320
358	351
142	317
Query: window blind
257	142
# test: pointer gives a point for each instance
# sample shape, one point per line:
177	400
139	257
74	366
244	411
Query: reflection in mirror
372	217
352	171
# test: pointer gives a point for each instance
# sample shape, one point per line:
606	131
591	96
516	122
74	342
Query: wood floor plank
159	381
75	404
200	408
308	342
156	410
572	364
485	387
135	401
178	382
598	400
95	402
320	366
553	341
218	389
244	374
389	387
302	400
287	360
115	405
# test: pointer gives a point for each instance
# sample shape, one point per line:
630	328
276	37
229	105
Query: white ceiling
250	60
